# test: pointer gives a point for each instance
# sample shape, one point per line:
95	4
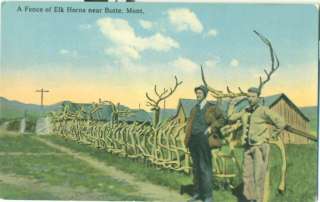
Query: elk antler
274	62
116	110
219	94
163	95
113	106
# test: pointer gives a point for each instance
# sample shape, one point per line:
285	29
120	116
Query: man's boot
208	199
194	198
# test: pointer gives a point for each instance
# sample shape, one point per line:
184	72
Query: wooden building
279	103
105	112
292	115
137	115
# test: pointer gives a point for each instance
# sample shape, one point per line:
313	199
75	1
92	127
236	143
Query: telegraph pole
42	91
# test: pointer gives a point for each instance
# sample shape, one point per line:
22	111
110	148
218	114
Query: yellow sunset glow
130	95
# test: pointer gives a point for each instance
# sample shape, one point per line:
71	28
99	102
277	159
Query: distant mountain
10	109
311	113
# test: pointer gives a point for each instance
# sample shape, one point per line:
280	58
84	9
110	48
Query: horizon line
46	105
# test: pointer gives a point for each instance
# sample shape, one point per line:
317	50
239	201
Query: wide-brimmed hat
203	88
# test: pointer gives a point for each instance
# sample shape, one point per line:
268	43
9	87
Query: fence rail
161	145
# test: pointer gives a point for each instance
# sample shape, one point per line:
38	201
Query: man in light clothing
256	155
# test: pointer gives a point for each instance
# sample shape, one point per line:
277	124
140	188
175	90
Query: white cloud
123	50
85	26
234	63
212	33
64	51
210	63
73	53
127	44
160	43
145	24
185	64
184	19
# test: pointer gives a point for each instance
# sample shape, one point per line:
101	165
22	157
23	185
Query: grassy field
51	168
55	170
301	175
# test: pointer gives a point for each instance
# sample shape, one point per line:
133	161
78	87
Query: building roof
166	114
105	113
188	104
137	115
270	101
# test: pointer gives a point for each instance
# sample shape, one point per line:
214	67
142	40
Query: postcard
159	101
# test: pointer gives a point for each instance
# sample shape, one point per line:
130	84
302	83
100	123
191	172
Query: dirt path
31	154
60	192
152	191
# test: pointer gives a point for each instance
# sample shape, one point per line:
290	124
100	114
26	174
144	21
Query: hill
311	113
11	109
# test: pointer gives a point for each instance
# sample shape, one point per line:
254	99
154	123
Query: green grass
144	173
67	171
301	175
61	170
21	143
14	192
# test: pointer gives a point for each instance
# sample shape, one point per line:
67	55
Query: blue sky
59	50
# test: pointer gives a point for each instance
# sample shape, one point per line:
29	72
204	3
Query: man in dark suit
205	120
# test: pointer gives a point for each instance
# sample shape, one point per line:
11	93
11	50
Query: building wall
294	119
288	113
181	116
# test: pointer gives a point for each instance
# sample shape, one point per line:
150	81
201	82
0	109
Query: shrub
31	125
14	125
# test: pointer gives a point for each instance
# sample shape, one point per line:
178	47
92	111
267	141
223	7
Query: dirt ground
148	190
145	189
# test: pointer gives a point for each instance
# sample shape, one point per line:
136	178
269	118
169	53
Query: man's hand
276	132
208	131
